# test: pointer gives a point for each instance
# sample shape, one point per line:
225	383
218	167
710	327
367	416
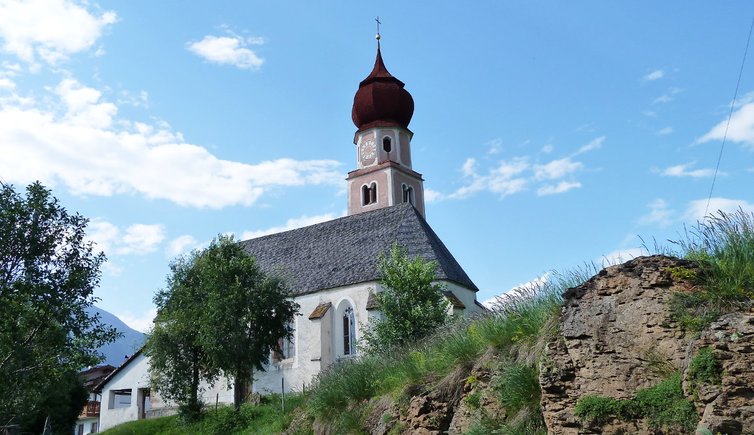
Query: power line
730	115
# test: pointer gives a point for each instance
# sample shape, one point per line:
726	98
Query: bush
704	368
518	386
663	405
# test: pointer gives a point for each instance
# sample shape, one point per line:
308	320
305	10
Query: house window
349	332
119	399
408	194
387	144
369	194
80	429
94	428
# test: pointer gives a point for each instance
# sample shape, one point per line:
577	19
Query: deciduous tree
48	274
411	305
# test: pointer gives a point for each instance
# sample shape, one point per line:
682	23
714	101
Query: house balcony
91	409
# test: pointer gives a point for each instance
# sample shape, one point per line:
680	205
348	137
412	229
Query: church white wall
466	296
315	341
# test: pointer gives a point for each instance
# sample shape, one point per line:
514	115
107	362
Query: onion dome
381	100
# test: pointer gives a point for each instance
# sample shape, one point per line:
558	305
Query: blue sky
548	133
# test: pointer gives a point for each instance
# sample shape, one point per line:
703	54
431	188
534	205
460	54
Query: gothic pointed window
387	144
349	332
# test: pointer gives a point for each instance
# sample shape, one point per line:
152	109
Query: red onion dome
381	100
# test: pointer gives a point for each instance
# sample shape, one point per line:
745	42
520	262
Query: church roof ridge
344	251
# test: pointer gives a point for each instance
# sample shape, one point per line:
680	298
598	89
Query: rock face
615	338
728	407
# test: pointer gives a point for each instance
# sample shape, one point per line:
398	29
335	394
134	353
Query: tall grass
722	245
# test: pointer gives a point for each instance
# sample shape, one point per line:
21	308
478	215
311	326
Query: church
331	267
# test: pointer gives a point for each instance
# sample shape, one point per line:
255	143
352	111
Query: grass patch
663	406
265	418
723	247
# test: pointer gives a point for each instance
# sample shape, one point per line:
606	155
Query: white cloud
141	239
662	99
659	214
594	144
494	146
654	75
433	196
6	83
137	239
503	179
290	224
695	210
228	50
49	29
82	144
562	187
530	286
556	169
547	149
665	131
683	171
140	322
741	129
181	245
621	256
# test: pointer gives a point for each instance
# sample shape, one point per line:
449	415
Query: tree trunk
241	387
194	397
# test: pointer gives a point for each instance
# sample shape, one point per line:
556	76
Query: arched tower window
387	144
369	194
349	332
408	194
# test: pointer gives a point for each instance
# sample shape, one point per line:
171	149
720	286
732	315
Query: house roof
344	251
128	361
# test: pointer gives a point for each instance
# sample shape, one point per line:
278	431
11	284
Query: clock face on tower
368	150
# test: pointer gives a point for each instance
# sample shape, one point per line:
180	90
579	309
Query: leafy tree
219	314
246	314
177	360
47	277
412	304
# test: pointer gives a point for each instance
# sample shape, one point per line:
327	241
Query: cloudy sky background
549	134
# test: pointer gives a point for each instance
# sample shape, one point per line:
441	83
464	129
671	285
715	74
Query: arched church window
369	194
387	144
408	194
349	332
364	195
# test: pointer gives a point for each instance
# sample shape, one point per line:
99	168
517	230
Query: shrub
518	386
704	368
663	405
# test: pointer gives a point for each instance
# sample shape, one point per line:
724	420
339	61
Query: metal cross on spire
378	29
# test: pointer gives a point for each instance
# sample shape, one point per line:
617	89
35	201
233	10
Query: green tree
246	315
178	361
412	304
219	314
48	274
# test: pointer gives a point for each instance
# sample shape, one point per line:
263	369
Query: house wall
466	296
135	376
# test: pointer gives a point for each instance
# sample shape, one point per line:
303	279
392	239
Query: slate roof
344	251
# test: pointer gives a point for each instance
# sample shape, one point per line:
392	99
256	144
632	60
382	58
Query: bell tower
382	110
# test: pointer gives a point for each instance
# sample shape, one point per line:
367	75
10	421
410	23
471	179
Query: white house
126	394
331	267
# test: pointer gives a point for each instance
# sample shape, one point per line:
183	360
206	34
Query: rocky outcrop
615	337
727	406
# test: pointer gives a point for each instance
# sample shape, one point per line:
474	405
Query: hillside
116	352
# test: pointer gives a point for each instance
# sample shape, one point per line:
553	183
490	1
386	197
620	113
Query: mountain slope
115	353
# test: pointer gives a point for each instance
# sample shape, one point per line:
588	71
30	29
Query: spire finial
378	30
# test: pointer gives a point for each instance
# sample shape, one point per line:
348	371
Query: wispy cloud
50	30
741	129
654	75
695	209
659	214
594	144
554	189
620	256
80	142
182	244
228	50
683	170
140	322
290	224
665	131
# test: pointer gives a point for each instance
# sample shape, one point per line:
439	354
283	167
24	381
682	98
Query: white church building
331	267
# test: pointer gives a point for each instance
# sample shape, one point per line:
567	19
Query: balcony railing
91	409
